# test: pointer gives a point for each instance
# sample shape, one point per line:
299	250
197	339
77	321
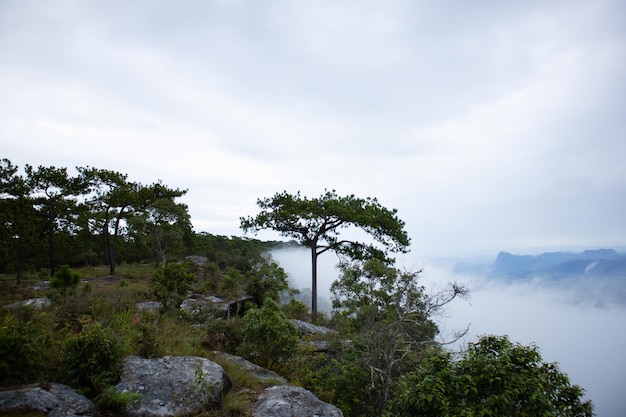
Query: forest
96	245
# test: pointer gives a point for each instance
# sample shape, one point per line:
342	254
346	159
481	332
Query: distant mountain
601	262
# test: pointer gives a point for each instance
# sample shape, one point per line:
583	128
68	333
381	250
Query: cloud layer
489	127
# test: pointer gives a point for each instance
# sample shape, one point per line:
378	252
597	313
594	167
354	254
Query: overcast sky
490	126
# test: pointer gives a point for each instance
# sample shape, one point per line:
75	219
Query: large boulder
53	400
290	401
173	385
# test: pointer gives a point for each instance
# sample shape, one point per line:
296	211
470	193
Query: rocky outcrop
53	400
204	306
256	371
173	385
36	303
309	329
289	401
149	306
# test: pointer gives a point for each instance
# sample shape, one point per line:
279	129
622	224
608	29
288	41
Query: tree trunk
313	283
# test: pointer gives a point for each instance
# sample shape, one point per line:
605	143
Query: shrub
22	346
268	337
223	335
92	359
494	377
171	283
65	280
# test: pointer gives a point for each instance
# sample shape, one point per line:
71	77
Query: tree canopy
495	377
317	222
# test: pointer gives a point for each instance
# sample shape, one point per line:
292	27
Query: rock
201	306
197	261
308	329
40	286
289	401
55	400
36	303
173	385
151	306
258	372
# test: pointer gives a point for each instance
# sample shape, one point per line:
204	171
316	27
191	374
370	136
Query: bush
171	283
65	280
92	359
23	343
223	335
269	338
494	377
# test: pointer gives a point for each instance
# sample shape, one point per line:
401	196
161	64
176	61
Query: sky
490	126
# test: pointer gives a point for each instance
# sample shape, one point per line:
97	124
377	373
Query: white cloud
485	125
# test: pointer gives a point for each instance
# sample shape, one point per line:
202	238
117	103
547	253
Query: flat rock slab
173	385
257	371
289	401
55	400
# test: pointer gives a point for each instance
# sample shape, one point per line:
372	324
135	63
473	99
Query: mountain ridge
596	262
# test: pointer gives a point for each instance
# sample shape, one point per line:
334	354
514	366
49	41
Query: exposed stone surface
197	261
200	305
289	401
173	385
309	329
257	371
55	400
152	306
36	303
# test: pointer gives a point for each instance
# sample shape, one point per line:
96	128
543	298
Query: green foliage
295	309
92	359
64	280
495	377
316	223
389	317
346	384
24	338
171	283
236	404
147	338
232	283
268	336
223	335
269	280
112	400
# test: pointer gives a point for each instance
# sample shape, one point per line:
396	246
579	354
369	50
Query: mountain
597	263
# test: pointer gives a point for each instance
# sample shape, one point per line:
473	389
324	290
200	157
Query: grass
111	301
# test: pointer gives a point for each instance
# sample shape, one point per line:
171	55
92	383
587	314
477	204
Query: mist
576	324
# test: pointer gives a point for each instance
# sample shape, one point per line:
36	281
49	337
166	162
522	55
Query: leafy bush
494	377
223	335
172	282
65	280
269	280
92	359
268	337
23	343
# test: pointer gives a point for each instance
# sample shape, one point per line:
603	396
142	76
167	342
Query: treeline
51	216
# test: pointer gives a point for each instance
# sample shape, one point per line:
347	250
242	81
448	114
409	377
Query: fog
572	322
